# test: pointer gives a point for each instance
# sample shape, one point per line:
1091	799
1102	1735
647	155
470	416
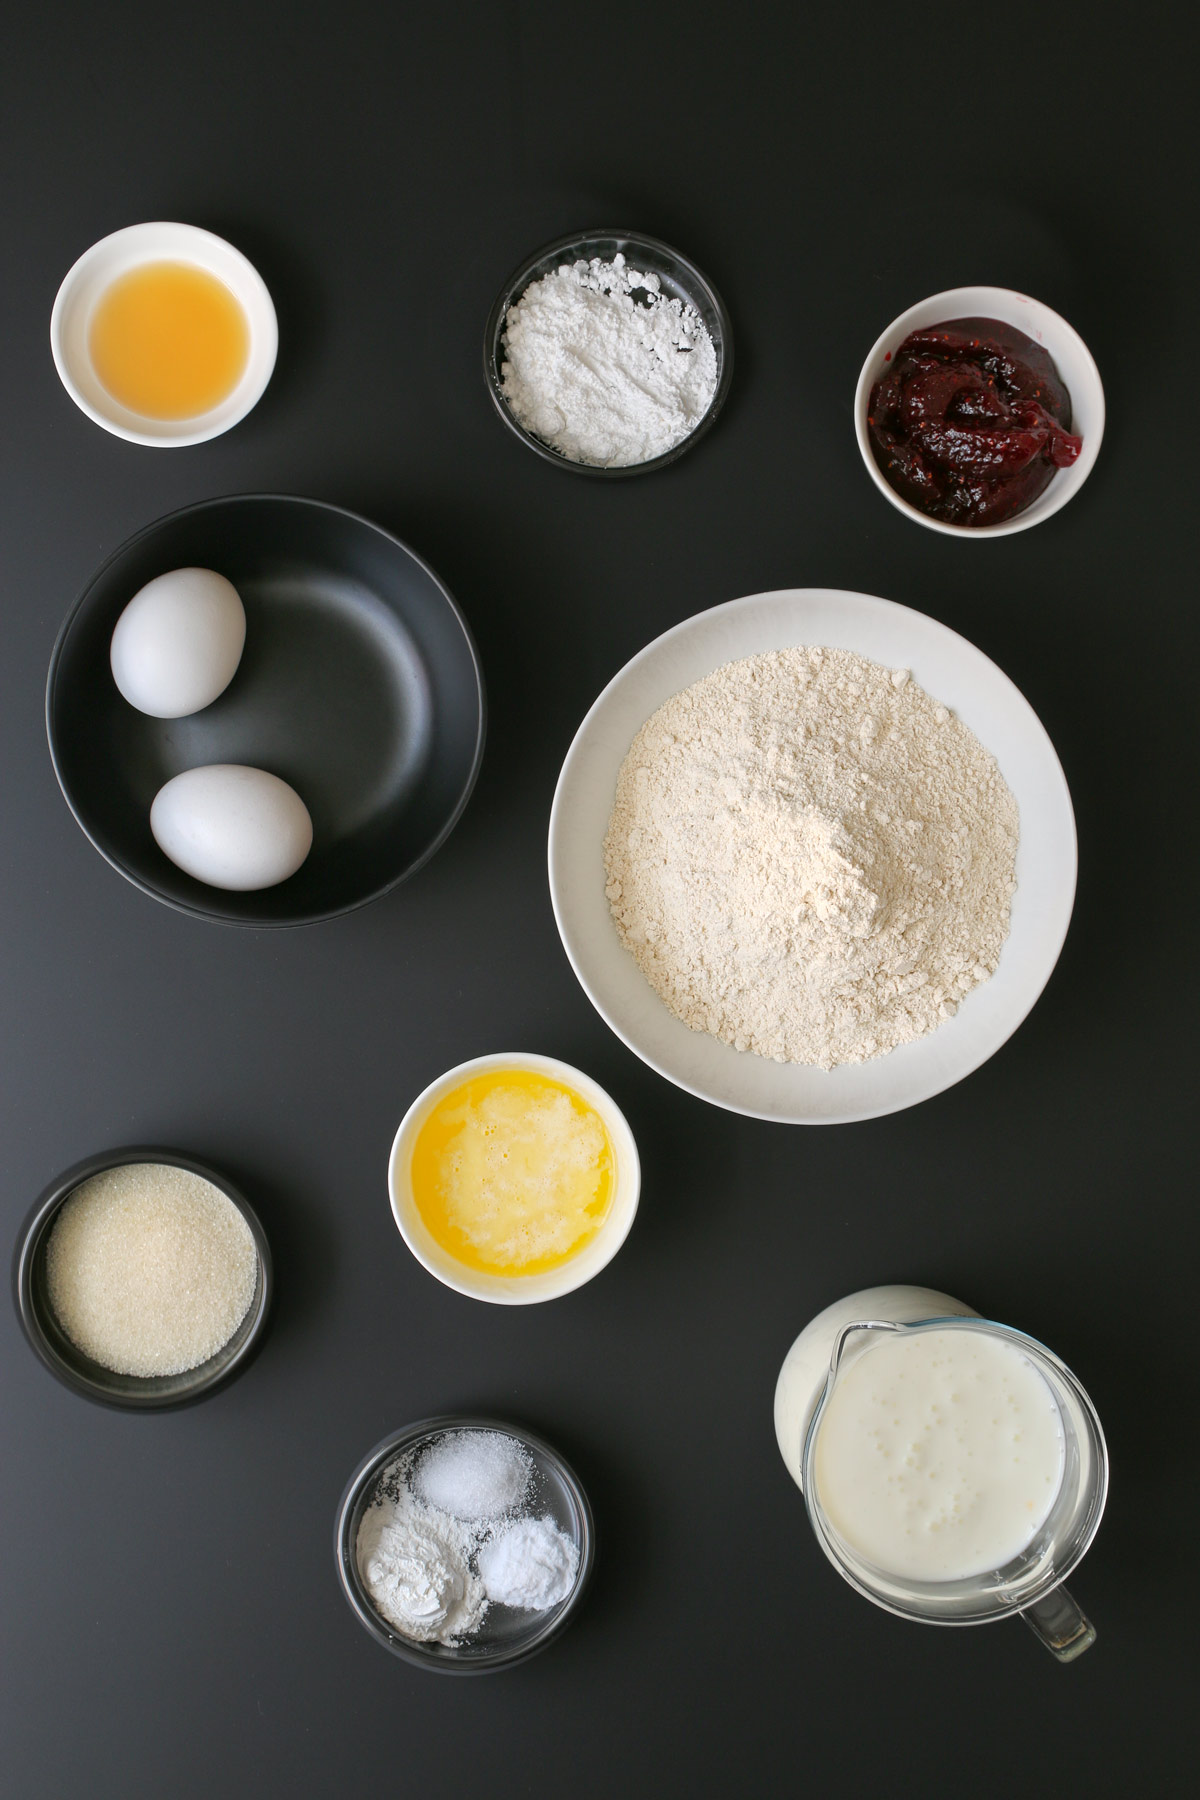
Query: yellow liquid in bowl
513	1173
168	340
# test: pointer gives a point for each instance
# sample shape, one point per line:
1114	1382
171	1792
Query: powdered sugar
605	367
810	858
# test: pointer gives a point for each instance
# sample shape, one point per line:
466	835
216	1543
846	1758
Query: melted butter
513	1173
168	340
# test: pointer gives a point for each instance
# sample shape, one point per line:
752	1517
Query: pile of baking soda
604	367
451	1530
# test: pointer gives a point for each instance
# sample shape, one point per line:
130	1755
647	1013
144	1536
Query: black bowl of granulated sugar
609	353
143	1279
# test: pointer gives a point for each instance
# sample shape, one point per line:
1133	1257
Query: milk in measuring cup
939	1454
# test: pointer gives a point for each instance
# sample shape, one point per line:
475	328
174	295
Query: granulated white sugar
150	1269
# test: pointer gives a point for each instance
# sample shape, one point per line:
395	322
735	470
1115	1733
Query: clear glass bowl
681	280
508	1635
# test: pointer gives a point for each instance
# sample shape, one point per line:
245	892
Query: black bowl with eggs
359	685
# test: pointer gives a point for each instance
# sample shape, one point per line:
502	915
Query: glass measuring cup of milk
953	1468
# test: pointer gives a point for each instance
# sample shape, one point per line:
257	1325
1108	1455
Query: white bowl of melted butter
514	1178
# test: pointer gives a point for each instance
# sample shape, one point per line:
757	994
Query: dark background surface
171	1620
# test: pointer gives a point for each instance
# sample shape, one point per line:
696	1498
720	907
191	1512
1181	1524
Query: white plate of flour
951	671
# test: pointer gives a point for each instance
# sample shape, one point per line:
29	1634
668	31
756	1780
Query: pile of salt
474	1475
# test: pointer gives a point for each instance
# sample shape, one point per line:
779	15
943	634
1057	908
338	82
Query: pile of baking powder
600	364
810	858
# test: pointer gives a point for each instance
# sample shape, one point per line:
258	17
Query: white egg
231	826
178	643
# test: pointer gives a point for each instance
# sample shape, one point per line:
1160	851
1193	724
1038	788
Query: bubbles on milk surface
940	1454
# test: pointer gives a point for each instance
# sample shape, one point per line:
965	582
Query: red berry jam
971	421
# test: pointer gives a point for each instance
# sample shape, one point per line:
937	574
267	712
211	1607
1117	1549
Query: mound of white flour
416	1563
810	858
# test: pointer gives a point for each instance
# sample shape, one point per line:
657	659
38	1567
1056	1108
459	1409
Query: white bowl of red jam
979	412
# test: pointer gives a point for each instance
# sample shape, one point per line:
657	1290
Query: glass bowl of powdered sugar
608	352
464	1544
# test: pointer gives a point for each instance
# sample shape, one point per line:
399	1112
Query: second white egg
232	826
178	643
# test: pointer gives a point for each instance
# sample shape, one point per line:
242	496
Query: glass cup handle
1058	1623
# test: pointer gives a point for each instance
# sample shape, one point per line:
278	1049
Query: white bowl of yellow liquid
514	1178
164	334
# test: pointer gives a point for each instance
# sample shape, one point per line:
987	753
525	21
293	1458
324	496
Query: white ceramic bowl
947	667
94	273
516	1290
1071	357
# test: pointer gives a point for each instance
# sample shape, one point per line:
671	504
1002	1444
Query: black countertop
171	1617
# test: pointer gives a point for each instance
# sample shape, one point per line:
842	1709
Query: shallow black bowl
359	684
508	1636
140	1393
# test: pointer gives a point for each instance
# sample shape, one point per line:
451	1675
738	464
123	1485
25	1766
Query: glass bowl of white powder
143	1279
608	353
464	1544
